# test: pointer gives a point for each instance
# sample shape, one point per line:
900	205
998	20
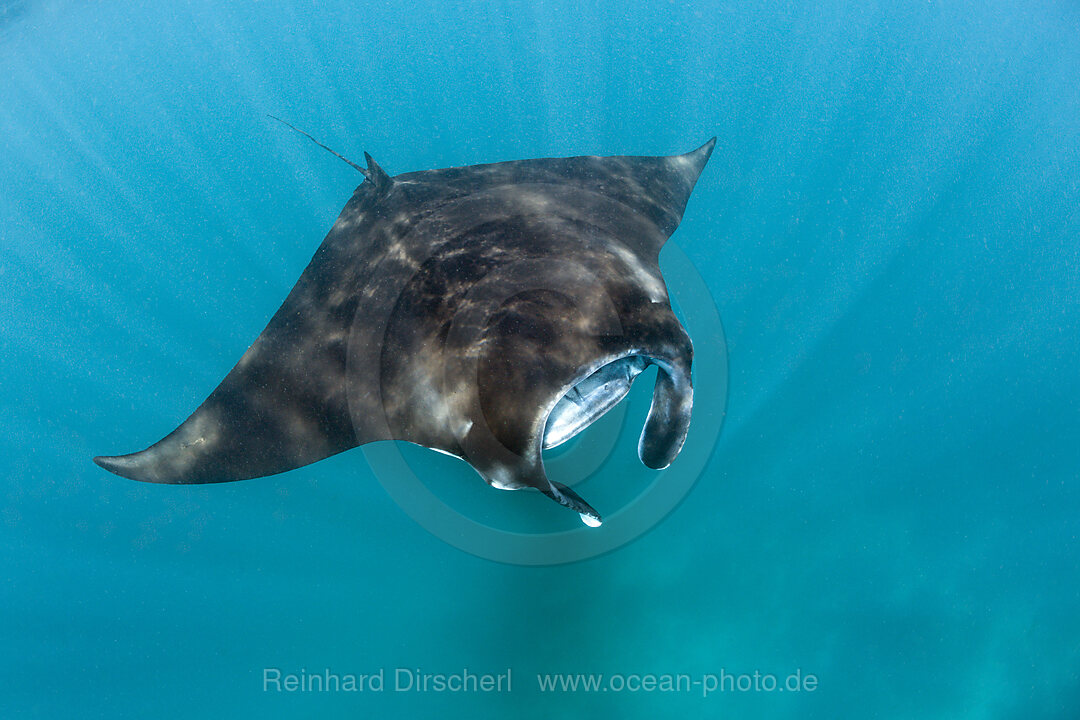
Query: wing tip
121	465
701	155
134	466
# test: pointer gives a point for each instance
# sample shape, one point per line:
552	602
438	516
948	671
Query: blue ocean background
889	228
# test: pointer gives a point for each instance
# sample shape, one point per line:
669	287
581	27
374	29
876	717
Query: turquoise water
889	228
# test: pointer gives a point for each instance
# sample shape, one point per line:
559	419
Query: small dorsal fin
377	175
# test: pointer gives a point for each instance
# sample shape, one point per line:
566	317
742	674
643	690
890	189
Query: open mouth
589	399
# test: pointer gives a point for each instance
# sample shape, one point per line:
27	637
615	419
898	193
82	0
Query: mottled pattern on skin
455	309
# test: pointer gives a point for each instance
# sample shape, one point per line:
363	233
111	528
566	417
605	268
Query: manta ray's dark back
487	311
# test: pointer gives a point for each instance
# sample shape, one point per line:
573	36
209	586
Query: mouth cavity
669	417
588	400
584	403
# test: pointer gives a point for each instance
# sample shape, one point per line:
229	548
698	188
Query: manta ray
489	312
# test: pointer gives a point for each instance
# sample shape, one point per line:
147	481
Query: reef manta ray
488	312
